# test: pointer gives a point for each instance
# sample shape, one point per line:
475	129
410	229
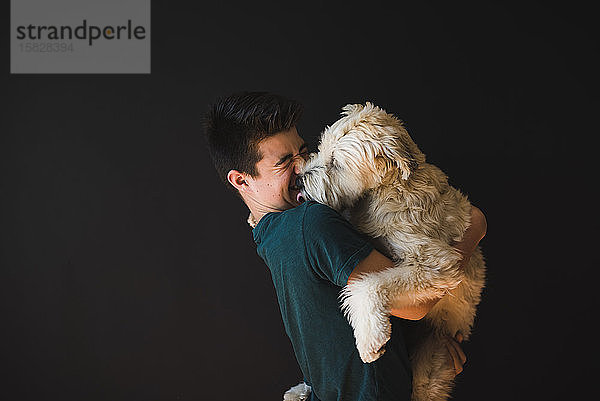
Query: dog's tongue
299	198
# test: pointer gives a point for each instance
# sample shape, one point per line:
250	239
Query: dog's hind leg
433	370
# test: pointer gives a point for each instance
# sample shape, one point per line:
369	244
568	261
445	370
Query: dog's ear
394	151
385	138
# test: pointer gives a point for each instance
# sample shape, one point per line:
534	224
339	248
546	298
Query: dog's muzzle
301	197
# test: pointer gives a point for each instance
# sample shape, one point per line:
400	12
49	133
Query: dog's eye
332	164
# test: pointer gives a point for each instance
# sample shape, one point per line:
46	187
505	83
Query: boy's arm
377	261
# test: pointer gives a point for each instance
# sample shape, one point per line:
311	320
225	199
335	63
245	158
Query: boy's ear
237	179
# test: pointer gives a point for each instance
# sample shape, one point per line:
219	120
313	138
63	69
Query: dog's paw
371	338
365	305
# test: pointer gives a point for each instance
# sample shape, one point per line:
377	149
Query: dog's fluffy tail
301	392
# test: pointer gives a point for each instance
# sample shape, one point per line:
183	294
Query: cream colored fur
300	392
369	169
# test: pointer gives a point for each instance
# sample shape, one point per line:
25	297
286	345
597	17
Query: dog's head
365	148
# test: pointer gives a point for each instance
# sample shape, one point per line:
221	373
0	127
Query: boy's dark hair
234	125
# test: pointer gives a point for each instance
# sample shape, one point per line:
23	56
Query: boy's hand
458	356
472	236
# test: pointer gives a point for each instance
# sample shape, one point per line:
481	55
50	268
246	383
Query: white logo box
80	36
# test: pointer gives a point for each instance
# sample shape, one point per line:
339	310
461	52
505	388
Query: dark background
128	271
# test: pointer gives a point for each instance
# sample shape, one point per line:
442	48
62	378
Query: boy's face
283	155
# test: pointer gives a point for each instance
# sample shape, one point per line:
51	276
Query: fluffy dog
369	169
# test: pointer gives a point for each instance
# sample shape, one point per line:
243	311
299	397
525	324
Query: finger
455	359
459	351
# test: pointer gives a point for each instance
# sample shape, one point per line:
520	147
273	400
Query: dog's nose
299	183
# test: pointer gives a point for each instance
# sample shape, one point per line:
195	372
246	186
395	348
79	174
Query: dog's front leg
366	305
368	300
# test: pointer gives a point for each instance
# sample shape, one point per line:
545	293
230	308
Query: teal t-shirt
311	250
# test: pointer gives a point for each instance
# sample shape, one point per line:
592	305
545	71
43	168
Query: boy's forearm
473	235
415	312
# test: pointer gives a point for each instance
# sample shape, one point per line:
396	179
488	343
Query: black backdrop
128	271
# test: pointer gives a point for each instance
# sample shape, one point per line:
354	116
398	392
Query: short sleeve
333	246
